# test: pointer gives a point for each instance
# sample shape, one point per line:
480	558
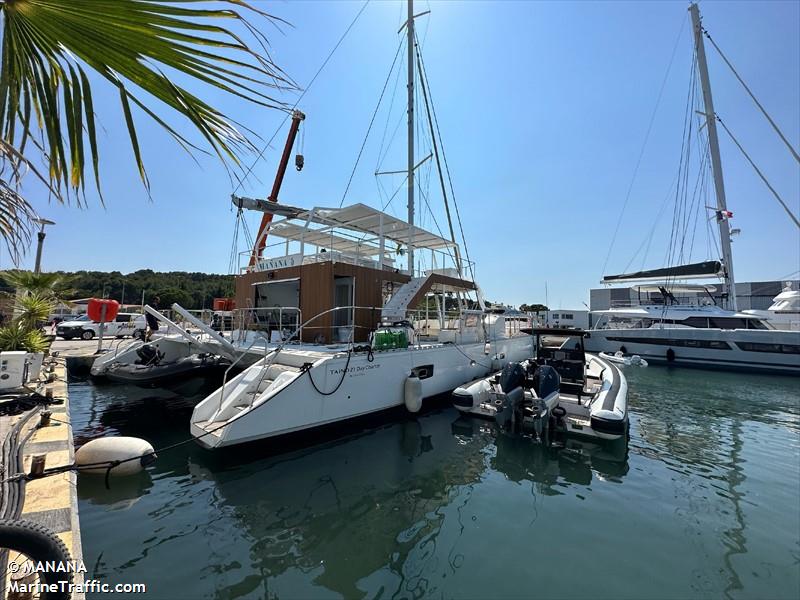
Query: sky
543	109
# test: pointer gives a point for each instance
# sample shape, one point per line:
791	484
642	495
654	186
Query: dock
51	501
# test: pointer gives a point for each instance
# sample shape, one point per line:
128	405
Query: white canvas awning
360	217
324	239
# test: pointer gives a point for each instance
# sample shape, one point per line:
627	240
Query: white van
83	327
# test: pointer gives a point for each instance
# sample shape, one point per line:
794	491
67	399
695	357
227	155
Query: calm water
706	503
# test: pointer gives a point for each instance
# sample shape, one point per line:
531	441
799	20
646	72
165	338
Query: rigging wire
424	74
300	97
371	122
758	171
752	96
683	165
644	144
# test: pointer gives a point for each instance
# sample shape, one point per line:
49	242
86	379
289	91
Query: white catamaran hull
764	351
294	397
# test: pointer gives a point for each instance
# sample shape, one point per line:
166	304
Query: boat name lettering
357	370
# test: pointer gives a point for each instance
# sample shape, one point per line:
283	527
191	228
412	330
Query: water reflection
416	506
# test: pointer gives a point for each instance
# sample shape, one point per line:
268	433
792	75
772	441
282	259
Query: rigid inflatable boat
619	358
151	368
560	390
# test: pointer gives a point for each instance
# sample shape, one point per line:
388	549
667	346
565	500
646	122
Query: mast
716	164
410	44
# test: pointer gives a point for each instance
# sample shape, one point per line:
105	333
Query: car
83	327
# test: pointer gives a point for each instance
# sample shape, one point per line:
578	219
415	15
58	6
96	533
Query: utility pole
716	163
410	44
40	235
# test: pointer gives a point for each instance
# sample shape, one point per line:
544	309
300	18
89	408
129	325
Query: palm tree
47	116
55	286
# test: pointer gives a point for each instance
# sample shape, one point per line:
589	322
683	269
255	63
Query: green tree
533	308
47	116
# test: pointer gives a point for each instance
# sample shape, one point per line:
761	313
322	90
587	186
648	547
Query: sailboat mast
716	163
410	44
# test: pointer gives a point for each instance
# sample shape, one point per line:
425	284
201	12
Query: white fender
115	448
412	393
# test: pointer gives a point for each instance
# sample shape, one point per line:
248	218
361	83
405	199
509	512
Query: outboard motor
512	376
148	355
549	381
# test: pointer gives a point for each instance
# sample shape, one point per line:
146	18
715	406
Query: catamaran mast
410	44
716	164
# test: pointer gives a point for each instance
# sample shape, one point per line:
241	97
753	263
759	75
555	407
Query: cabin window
758	347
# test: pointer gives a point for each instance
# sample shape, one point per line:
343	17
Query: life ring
670	355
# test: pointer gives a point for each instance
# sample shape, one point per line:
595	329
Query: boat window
701	322
756	324
471	321
676	342
728	322
760	347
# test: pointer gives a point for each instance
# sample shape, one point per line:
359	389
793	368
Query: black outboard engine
512	376
148	355
548	381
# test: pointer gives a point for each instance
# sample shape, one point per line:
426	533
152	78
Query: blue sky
543	108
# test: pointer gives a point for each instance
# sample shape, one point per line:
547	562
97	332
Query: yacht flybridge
681	324
351	310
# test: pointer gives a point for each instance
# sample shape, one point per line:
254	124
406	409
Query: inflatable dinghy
151	369
619	358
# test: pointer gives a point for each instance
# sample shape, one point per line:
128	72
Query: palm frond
138	46
16	225
32	309
54	286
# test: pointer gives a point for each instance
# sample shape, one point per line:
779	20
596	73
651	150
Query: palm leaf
139	46
15	220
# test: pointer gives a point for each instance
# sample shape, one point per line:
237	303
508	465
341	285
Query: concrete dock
51	501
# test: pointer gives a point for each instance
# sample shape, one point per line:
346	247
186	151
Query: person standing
152	322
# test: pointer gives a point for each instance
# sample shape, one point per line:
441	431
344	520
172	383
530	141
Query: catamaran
353	311
681	324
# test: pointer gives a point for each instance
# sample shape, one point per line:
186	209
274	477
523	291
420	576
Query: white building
566	318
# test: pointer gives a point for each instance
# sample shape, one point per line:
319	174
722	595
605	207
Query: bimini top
359	218
363	218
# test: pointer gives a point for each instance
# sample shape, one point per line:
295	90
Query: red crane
266	219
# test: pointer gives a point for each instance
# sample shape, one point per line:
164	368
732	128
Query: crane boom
266	218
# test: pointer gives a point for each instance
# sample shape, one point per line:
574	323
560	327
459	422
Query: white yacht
353	311
684	332
785	310
696	332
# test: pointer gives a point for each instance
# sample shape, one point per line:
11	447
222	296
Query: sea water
703	503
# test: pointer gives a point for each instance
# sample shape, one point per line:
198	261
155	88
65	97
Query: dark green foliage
533	308
190	290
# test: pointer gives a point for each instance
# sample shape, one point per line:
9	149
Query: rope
760	174
371	121
644	146
752	96
424	74
308	87
338	385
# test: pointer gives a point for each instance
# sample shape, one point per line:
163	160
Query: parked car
83	327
